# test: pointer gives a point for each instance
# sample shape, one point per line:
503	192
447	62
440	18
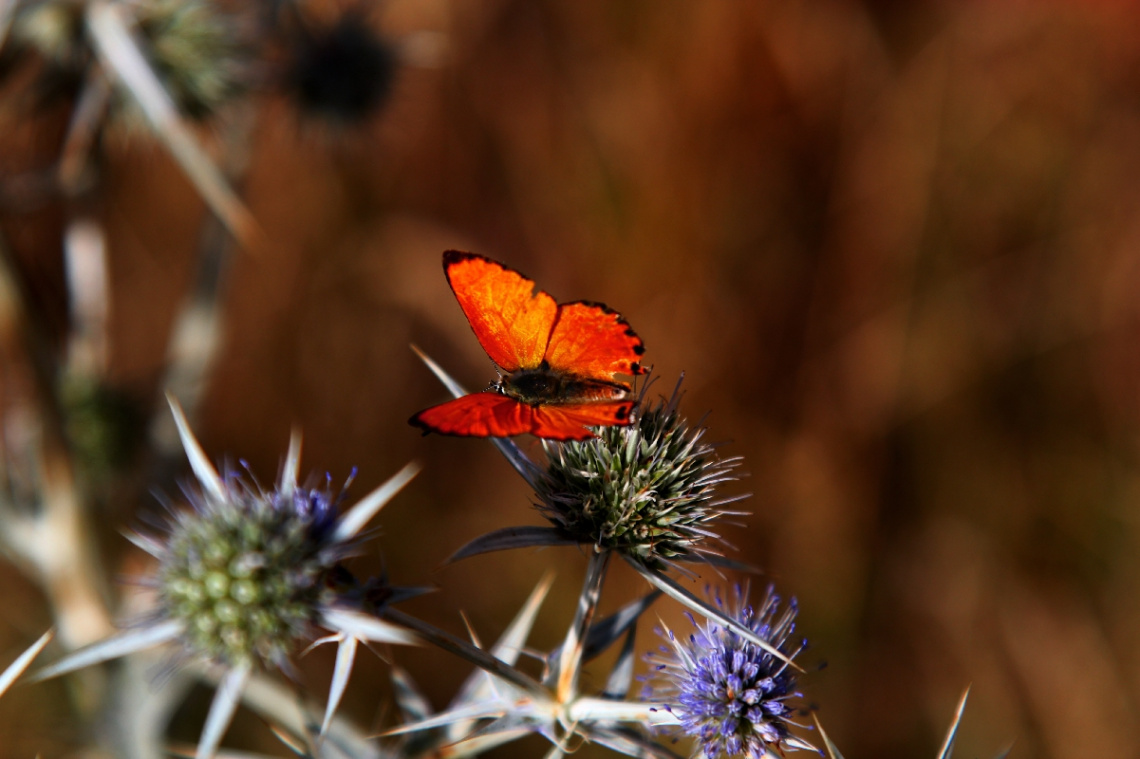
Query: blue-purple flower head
733	697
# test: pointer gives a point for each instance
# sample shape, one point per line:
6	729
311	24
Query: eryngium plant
246	577
647	490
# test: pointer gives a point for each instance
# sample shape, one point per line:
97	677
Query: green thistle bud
195	51
647	490
245	574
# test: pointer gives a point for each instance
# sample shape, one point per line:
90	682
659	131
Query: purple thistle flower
727	692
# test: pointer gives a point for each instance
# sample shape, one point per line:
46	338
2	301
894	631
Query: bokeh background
892	246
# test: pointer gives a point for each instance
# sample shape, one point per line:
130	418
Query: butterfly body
547	386
559	363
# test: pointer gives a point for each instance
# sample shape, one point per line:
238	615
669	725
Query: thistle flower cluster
247	574
729	693
647	490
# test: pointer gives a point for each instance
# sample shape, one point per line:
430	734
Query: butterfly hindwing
510	316
491	414
486	414
593	341
570	421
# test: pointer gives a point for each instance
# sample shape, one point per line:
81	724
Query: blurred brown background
893	246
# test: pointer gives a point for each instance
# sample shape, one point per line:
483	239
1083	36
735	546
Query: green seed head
646	490
104	426
246	575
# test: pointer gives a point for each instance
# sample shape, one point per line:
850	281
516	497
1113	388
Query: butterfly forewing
510	316
590	340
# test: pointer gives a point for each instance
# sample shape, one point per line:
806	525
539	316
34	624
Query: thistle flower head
104	426
54	29
727	692
248	574
647	490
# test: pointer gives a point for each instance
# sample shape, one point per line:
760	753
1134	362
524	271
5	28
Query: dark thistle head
647	490
342	72
729	694
104	426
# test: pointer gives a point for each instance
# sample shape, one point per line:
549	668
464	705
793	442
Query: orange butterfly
557	362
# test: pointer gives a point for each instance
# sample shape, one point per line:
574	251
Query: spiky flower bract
727	692
500	703
647	490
